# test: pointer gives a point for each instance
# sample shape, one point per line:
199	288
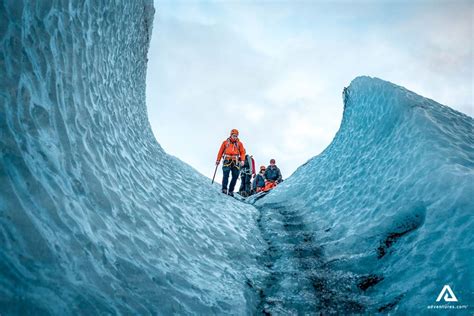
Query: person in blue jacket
272	173
259	181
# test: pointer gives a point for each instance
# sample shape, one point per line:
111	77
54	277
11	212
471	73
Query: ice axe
214	174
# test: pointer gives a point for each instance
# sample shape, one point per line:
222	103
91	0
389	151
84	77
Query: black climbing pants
229	167
245	183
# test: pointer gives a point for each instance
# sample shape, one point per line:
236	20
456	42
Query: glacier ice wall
94	217
383	218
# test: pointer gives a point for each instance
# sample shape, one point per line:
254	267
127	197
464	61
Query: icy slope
94	217
383	218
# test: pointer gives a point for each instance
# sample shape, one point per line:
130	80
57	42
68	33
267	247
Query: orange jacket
230	148
269	185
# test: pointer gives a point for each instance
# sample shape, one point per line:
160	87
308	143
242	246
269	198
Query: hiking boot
224	191
231	193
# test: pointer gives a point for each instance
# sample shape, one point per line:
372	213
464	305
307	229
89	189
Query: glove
218	162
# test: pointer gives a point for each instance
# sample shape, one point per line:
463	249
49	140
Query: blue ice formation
95	218
383	218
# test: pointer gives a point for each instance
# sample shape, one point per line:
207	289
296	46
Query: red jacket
233	149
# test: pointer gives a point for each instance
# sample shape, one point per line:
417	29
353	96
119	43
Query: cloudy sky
275	70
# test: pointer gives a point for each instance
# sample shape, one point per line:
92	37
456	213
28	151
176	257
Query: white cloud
294	86
276	70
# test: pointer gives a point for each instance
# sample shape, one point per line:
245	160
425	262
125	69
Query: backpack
249	164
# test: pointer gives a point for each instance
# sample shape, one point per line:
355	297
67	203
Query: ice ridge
388	205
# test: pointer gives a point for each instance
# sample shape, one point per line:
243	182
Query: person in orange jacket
233	152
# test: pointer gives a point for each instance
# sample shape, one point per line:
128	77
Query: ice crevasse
96	218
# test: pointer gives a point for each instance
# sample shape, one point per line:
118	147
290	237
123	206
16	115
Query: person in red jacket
233	152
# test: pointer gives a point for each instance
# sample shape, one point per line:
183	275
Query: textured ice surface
383	218
94	217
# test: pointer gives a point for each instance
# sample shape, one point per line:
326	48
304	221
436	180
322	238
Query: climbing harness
229	159
228	163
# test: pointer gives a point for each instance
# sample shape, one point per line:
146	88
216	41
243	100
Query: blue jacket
272	173
259	181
